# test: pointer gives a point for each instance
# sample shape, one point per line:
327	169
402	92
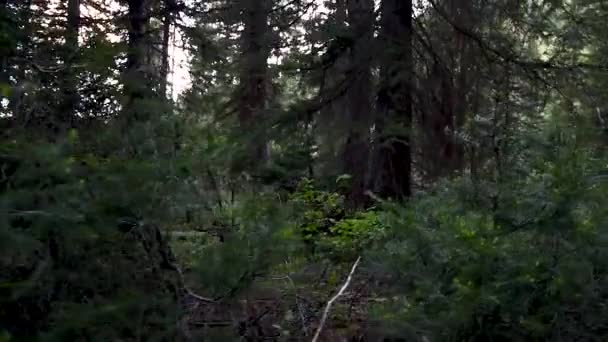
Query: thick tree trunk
254	81
393	161
358	105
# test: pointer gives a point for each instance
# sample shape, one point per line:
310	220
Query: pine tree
135	77
254	79
67	109
358	108
393	163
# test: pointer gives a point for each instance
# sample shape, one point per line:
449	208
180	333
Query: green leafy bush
317	210
325	224
352	236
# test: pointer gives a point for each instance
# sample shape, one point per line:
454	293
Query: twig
298	304
170	261
198	297
185	287
44	214
334	298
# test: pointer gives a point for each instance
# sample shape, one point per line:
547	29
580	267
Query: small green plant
351	236
325	224
319	210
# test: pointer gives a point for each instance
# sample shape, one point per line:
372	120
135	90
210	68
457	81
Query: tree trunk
164	72
67	110
446	112
17	99
394	104
134	78
5	50
334	76
255	49
358	105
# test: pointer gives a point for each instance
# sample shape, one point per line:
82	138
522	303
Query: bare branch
334	298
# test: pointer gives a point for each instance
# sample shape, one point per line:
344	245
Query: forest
303	170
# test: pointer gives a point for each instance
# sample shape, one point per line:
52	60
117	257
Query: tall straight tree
24	52
166	32
393	163
334	69
450	79
253	78
5	50
134	78
70	77
358	105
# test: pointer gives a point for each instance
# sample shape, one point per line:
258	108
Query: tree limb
334	298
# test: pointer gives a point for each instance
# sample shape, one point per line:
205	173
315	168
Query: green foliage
325	224
525	268
352	236
319	209
70	229
261	237
509	96
190	248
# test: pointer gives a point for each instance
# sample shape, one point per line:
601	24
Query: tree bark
164	71
5	51
135	78
445	115
70	100
329	121
17	98
358	105
255	49
394	103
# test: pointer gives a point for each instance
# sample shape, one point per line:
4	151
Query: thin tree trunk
462	81
394	104
443	147
70	77
5	50
17	98
164	72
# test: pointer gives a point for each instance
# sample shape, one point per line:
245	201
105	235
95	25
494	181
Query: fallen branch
334	298
198	297
185	287
168	258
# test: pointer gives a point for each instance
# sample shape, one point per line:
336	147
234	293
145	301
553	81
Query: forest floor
276	306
